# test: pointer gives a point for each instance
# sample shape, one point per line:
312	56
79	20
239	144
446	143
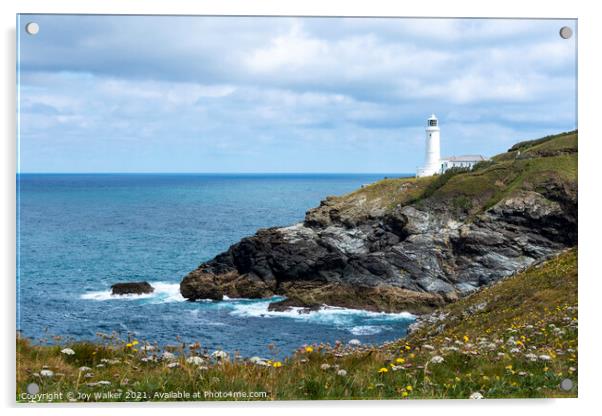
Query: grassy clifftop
516	338
533	165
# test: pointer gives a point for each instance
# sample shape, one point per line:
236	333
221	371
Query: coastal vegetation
514	338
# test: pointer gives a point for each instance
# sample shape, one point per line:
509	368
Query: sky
275	94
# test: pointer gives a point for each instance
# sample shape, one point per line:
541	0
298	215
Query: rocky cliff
410	244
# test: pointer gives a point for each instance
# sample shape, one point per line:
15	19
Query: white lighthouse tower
432	161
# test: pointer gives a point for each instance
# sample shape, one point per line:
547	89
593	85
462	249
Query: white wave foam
369	329
164	292
325	315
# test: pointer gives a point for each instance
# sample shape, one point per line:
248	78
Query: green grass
393	192
484	339
559	143
532	143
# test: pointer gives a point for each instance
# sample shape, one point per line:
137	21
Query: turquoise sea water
80	233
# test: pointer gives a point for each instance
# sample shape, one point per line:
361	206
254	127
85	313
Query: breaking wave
164	292
327	315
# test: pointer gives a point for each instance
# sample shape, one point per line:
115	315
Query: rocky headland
410	244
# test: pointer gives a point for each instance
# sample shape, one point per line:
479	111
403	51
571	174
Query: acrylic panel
295	208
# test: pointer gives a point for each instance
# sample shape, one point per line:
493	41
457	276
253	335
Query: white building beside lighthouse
432	159
433	163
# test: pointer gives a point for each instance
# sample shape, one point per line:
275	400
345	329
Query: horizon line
213	173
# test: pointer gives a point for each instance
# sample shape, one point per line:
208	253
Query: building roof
465	158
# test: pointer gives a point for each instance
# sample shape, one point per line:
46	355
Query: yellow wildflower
135	342
383	370
400	360
129	345
309	349
404	394
408	348
465	337
277	364
409	388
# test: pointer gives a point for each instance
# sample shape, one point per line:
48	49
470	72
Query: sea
77	234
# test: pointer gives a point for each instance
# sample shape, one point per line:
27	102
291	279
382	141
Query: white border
590	68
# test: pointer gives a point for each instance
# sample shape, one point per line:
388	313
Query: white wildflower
259	361
437	359
168	356
476	396
195	360
84	368
325	366
354	342
342	373
544	357
67	351
450	349
173	365
220	355
47	373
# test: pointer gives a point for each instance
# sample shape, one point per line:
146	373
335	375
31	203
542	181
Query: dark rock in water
131	288
408	244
